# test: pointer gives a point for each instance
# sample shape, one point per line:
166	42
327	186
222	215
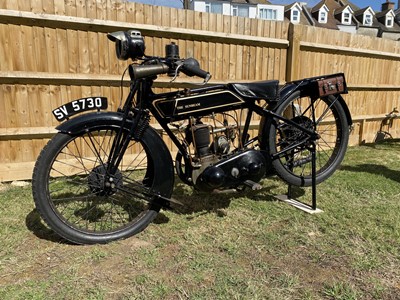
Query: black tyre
82	201
325	116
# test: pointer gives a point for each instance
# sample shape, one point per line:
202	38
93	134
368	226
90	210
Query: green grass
226	246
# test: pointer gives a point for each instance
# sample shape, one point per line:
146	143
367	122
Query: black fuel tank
197	105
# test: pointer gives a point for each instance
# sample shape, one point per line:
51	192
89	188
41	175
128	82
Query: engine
233	171
218	162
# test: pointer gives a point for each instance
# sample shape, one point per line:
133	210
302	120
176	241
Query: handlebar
191	67
130	44
143	71
154	67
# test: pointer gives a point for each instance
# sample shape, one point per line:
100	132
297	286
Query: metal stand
304	207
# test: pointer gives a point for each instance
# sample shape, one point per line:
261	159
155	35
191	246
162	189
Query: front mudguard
88	121
150	139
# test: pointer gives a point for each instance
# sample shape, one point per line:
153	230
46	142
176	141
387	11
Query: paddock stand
300	205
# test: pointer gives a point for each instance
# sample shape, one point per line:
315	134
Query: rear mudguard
157	150
306	87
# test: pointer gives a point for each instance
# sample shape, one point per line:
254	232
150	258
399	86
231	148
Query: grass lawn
225	246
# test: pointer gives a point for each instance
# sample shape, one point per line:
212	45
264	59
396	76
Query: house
335	14
367	22
345	16
389	28
340	15
345	19
297	13
261	9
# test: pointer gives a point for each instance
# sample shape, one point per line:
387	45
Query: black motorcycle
105	175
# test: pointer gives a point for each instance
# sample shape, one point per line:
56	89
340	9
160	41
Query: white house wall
350	29
280	10
368	31
253	10
391	35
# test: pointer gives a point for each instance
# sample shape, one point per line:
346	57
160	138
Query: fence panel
53	52
370	65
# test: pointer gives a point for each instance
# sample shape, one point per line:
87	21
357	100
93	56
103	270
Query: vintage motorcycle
105	175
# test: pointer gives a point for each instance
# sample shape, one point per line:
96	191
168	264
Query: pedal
253	185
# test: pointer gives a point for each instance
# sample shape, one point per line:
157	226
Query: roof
305	17
362	11
333	15
346	2
383	13
289	6
359	15
255	2
343	8
318	6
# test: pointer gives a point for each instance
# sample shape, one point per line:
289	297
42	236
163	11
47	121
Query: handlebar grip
143	71
191	67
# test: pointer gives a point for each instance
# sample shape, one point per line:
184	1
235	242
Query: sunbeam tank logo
196	104
188	106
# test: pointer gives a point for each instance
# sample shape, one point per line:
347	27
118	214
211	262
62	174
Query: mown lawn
225	246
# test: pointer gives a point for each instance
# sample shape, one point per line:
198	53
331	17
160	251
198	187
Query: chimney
388	5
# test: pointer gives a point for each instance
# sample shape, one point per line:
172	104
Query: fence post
293	57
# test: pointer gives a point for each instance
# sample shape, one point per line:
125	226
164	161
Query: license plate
75	107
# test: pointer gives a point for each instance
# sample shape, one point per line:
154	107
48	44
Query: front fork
140	122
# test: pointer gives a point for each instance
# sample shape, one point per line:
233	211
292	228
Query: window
243	11
346	18
268	14
322	18
295	17
389	21
240	11
368	19
214	7
235	10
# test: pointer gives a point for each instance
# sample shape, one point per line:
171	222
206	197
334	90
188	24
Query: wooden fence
52	52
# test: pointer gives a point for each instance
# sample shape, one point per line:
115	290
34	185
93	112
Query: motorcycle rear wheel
327	118
78	197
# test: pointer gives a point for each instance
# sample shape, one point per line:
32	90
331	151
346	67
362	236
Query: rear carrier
316	87
331	85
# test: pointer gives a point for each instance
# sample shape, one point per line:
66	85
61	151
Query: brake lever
176	73
180	65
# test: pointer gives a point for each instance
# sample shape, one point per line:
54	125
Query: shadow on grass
375	169
195	201
392	143
35	224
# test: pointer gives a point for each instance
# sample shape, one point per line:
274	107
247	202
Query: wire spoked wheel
86	200
292	146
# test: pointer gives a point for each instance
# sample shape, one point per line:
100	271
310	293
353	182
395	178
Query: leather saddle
267	90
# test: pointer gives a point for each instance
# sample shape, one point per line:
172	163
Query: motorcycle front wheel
327	118
84	200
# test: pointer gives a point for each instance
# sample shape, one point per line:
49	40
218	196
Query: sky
375	4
